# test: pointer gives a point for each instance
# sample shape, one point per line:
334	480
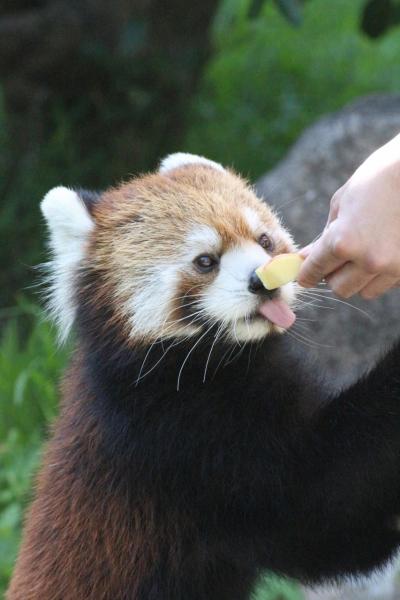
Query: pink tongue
278	312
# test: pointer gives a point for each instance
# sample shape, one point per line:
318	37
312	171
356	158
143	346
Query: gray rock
300	188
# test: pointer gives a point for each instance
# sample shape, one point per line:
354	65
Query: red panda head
170	254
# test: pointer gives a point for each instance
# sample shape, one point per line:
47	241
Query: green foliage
267	80
273	588
29	372
24	179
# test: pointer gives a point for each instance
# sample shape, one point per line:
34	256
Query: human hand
359	249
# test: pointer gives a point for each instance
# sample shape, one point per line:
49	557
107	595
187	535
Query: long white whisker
149	350
319	297
216	337
317	289
174	343
239	352
303	319
235	332
277	209
292	334
189	353
159	340
301	304
311	342
229	350
196	314
144	361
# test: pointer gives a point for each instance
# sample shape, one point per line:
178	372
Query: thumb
334	208
319	262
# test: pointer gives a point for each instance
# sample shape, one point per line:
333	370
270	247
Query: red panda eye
265	242
205	263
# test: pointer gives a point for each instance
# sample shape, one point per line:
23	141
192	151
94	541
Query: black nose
255	284
256	287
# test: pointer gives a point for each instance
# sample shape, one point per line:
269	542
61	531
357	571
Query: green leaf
10	517
20	386
272	587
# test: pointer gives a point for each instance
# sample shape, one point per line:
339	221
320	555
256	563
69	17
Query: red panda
195	448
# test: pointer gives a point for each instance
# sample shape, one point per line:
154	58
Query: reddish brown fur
99	525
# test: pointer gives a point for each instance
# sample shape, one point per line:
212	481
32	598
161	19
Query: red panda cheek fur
149	492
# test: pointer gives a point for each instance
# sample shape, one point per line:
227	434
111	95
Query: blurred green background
94	92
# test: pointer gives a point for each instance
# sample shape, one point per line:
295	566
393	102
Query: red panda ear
181	159
70	225
66	215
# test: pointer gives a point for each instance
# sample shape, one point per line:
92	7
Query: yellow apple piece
280	270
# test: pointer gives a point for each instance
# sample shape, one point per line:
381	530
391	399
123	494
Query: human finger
324	258
348	280
378	286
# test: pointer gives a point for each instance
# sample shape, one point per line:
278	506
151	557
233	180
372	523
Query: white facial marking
228	299
202	239
253	219
180	159
69	225
151	299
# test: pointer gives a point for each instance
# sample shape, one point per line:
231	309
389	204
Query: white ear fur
180	159
69	226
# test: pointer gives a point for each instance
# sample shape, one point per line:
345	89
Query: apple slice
280	270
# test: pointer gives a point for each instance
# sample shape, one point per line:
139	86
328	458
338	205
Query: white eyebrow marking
202	238
252	218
